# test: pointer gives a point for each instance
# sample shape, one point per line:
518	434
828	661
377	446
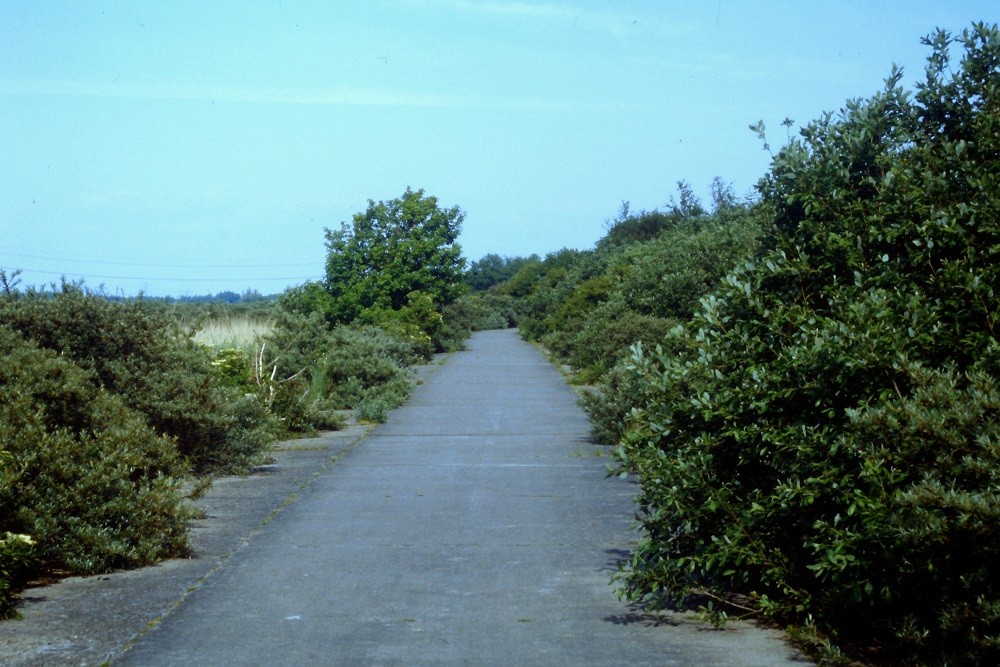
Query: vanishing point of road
476	527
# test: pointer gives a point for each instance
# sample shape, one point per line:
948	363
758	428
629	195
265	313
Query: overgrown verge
826	439
817	438
109	405
135	353
102	414
644	278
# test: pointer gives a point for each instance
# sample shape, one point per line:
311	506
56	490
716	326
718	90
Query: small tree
392	249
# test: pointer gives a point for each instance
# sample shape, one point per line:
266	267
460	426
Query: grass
242	333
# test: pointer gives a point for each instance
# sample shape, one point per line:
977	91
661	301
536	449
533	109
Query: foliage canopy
825	435
390	250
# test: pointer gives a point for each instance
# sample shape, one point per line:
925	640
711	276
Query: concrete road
476	527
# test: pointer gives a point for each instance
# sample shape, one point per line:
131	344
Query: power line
169	280
168	266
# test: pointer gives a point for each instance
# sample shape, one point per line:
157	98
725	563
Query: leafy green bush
233	367
588	308
131	351
308	298
285	372
668	276
572	314
418	322
823	436
539	287
366	363
82	475
631	228
610	402
608	334
244	430
17	562
479	311
374	409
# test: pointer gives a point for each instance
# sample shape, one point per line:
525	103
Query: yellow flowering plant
17	559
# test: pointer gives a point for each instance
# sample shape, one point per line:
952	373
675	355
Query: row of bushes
109	406
643	279
812	405
102	414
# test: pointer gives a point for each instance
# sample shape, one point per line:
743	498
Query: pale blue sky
195	147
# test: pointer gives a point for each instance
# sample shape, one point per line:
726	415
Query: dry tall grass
241	333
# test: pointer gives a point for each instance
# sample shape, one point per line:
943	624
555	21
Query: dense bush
368	369
541	288
825	438
630	228
308	374
105	408
82	474
644	278
133	351
285	371
668	276
606	337
17	562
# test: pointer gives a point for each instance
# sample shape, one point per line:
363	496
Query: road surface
476	527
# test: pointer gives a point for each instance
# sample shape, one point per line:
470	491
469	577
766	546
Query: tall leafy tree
390	250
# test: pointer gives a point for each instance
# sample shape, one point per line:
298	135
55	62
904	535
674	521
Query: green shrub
571	316
540	288
650	271
524	281
610	403
83	475
306	299
600	352
667	277
374	409
458	321
823	436
479	311
17	563
493	270
284	372
234	368
368	363
609	333
245	428
309	373
588	308
132	351
418	322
